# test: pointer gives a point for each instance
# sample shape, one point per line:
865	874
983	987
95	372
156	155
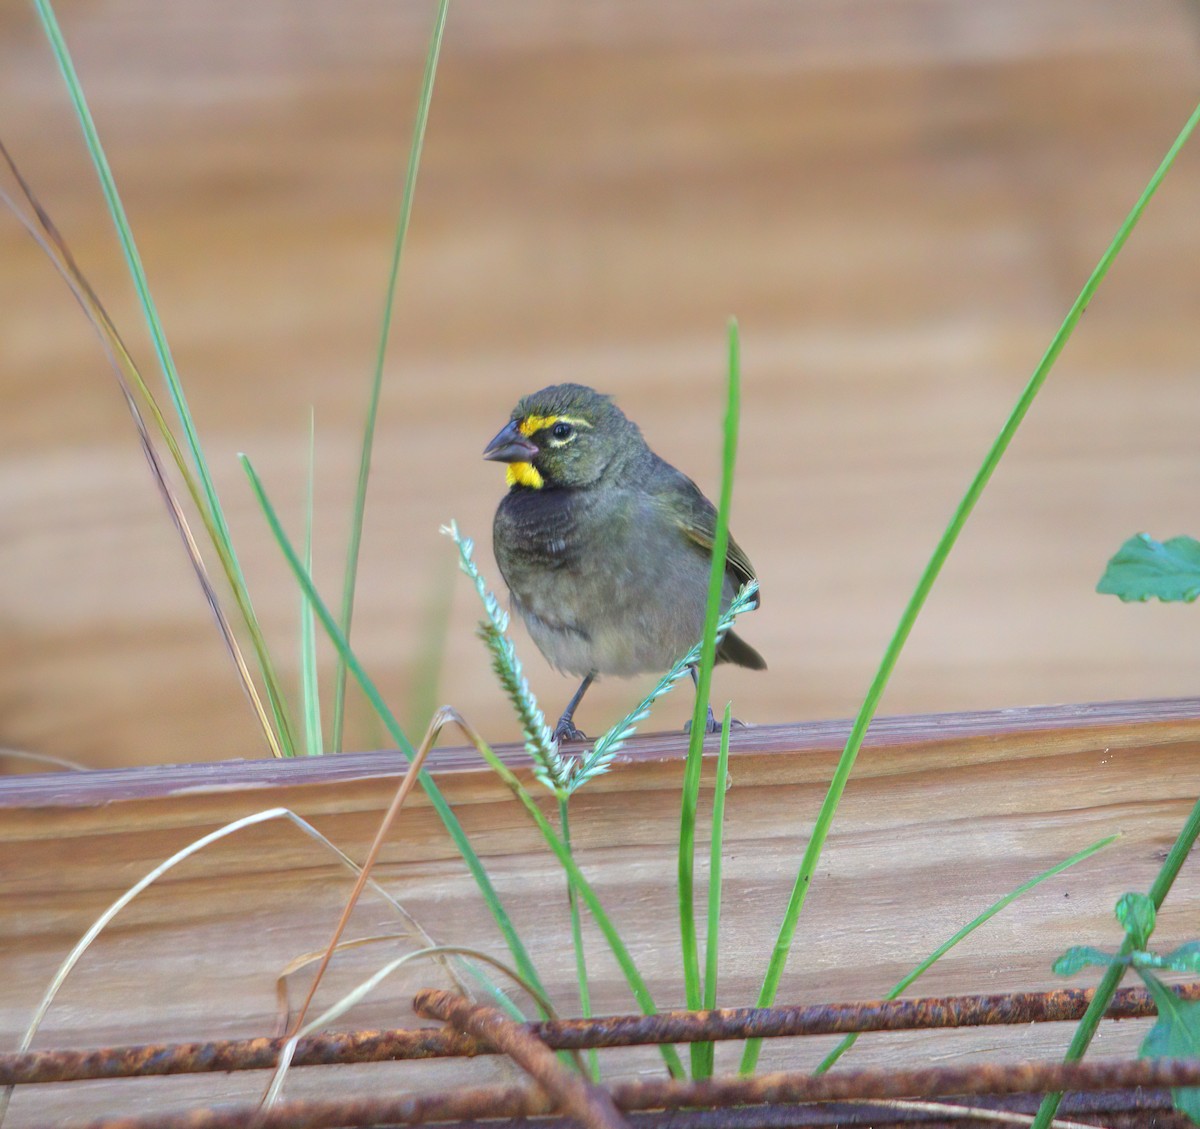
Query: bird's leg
710	725
565	729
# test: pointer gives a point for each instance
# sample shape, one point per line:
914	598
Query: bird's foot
565	731
712	725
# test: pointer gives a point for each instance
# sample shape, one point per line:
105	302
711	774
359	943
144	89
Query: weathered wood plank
944	814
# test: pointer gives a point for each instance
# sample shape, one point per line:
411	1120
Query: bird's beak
510	446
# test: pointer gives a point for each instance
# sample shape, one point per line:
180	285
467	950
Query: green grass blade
350	579
690	798
129	248
712	941
691	774
581	972
310	688
437	800
216	518
812	853
549	769
1111	979
430	652
965	932
638	986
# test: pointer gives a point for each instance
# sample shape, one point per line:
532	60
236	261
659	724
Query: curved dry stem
575	878
47	237
359	993
407	783
283	1007
42	758
949	1111
98	926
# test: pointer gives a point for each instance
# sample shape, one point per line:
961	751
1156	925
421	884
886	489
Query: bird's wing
696	516
736	560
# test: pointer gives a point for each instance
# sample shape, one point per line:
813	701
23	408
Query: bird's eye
562	430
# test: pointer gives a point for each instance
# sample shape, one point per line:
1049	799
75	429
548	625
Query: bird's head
566	435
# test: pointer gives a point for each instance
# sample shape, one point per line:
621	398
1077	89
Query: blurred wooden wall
898	203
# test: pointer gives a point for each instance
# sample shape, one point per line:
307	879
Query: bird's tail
734	649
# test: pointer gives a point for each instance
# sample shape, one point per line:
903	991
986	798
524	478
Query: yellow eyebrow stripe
531	425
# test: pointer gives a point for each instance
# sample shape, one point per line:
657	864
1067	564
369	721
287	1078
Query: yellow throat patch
523	474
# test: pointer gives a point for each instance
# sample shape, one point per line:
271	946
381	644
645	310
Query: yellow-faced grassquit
606	548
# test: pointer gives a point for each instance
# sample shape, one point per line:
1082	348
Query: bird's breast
541	527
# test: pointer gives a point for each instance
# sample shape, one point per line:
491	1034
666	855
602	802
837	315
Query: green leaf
1143	568
1175	1035
1186	958
1102	997
1136	914
1079	957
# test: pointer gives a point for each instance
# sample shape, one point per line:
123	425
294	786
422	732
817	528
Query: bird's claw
566	731
712	725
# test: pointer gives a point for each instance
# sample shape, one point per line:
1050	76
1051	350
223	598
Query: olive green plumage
605	547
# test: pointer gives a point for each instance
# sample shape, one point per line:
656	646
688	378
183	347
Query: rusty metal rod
225	1055
573	1094
842	1019
509	1101
1111	1105
577	1034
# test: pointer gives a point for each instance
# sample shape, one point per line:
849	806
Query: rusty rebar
842	1019
572	1093
930	1082
224	1055
1117	1108
509	1101
577	1034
